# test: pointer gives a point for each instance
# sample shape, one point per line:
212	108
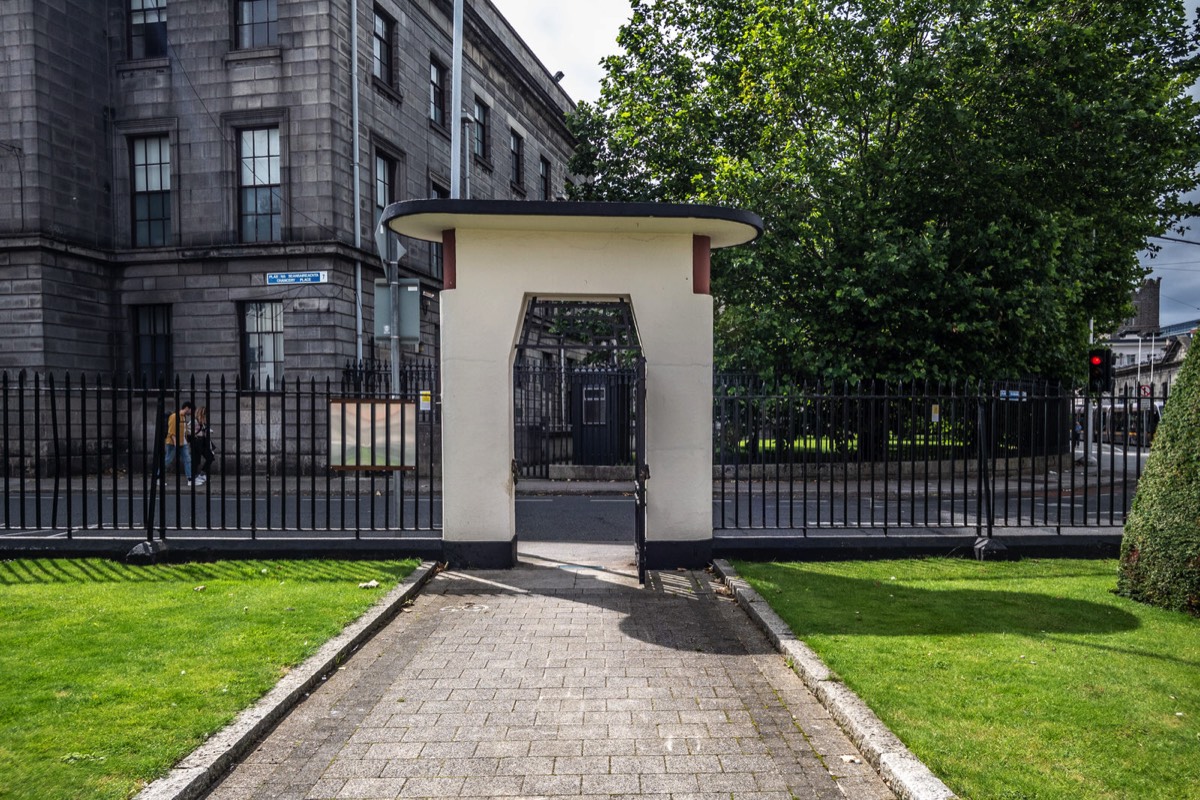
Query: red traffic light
1100	371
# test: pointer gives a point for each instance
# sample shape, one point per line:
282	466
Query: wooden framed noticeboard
372	434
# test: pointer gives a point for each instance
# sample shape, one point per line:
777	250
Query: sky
1178	264
569	35
573	35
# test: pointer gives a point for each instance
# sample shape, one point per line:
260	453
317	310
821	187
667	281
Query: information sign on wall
375	433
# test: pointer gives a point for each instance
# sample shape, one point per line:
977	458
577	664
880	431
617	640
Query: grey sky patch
570	36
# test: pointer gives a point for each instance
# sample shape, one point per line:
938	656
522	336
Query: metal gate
567	416
601	401
641	475
573	389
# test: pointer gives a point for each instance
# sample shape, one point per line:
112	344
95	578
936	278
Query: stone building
1147	355
1145	309
192	186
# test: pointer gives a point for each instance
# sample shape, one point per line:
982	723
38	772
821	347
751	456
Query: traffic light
1100	371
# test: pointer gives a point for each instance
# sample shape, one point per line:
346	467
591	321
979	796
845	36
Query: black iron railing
85	456
812	457
80	453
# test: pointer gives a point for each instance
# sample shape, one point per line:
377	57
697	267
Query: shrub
1160	552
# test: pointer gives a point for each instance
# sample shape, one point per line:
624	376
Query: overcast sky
1179	264
569	35
573	35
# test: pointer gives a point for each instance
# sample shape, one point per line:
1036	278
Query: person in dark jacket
200	440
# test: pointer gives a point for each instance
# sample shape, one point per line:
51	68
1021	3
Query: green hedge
1160	554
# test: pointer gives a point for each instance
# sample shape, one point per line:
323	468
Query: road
1089	496
599	519
583	518
575	518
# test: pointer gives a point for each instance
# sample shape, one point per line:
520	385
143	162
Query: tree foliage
950	188
1160	551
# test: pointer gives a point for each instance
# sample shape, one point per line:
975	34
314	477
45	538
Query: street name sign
290	278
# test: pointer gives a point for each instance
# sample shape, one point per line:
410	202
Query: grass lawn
109	673
1021	680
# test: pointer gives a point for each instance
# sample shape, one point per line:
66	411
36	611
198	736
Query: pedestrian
1076	434
176	441
200	440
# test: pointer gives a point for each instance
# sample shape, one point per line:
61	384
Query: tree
1160	552
950	188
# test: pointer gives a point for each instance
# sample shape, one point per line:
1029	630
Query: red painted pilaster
449	266
701	265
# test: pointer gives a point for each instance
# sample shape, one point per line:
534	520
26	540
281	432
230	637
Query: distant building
1145	307
1155	373
159	160
1148	355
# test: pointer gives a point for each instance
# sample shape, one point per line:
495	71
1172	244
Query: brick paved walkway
556	680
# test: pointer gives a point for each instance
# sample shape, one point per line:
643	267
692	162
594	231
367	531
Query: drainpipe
468	130
358	314
456	160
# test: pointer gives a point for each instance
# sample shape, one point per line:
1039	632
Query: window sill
387	91
517	189
273	53
483	163
143	65
438	128
275	390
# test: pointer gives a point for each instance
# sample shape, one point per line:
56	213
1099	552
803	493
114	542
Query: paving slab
561	678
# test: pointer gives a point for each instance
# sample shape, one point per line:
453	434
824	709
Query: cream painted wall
481	318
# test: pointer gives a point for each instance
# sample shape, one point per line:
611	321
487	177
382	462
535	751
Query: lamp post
391	272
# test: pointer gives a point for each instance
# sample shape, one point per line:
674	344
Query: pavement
541	486
560	678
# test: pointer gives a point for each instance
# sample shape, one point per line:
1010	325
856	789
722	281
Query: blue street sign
287	278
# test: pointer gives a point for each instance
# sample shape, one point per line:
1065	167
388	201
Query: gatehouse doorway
577	379
573	390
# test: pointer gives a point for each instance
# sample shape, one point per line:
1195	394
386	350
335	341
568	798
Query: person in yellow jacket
177	440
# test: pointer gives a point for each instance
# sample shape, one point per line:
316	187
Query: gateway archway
578	407
498	254
574	389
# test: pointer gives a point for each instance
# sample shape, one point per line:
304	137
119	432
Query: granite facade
70	273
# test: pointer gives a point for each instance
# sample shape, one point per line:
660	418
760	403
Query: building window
257	23
385	182
544	177
152	345
595	405
148	28
516	146
151	181
383	46
385	194
437	93
261	203
262	345
481	131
